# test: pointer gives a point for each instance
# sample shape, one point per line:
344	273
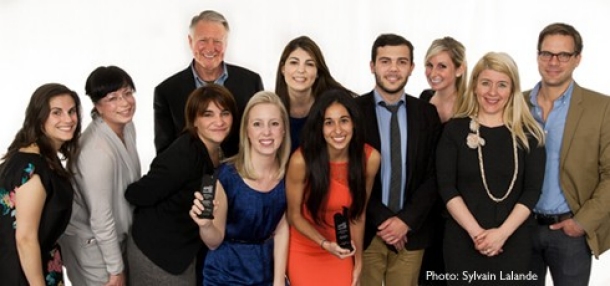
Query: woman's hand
116	280
337	250
198	208
490	242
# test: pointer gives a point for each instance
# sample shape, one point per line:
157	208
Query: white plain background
64	40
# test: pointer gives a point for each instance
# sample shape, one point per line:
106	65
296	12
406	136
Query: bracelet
322	243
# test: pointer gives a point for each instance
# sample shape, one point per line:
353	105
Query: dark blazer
171	96
423	127
426	95
584	164
162	228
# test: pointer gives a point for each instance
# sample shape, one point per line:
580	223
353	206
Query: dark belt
543	219
250	241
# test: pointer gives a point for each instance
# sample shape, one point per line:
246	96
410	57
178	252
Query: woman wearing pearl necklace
490	167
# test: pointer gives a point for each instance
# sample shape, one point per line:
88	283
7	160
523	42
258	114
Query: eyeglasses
113	97
562	57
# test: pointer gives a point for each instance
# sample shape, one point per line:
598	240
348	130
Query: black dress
459	175
433	260
54	219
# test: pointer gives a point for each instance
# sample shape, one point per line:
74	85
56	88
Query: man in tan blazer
572	214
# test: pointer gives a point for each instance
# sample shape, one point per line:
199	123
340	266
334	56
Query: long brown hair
323	82
32	131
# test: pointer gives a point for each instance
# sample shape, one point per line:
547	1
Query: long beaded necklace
474	140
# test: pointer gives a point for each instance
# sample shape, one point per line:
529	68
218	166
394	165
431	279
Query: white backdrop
64	40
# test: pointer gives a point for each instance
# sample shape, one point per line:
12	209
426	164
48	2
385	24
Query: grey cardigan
104	169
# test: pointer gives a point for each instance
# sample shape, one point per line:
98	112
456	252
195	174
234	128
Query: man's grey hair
209	16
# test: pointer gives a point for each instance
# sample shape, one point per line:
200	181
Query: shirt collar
220	80
563	98
379	99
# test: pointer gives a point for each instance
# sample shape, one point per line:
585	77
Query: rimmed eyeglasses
562	57
113	97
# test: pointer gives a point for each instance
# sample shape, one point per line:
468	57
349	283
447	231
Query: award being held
344	239
208	190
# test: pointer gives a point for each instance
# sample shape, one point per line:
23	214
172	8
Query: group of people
474	177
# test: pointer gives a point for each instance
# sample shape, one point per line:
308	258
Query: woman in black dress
490	166
35	190
446	73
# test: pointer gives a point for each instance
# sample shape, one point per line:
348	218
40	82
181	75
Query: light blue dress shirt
220	80
383	123
552	201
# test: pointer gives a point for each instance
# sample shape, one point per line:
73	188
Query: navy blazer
171	96
420	194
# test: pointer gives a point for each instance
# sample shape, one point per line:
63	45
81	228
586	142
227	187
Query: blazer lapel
370	115
412	136
572	122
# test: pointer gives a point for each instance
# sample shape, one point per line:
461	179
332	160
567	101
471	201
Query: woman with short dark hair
165	241
93	246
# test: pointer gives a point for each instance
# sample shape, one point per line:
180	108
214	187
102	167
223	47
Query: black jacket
171	96
420	194
162	228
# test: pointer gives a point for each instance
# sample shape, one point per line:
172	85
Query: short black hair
390	40
104	80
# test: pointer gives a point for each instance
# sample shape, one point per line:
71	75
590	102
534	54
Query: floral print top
55	216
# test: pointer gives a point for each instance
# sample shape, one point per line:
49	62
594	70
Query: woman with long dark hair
332	171
35	190
302	75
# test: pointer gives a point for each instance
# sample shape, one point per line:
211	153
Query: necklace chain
482	166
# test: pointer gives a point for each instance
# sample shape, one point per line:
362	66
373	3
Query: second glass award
342	232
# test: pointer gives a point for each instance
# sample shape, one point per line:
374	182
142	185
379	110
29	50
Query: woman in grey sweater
93	245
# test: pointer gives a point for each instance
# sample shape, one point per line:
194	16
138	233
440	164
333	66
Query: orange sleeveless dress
308	263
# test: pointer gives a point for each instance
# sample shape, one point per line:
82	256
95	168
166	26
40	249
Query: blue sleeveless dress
245	257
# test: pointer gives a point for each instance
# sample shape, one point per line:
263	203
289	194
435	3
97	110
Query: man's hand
394	232
570	227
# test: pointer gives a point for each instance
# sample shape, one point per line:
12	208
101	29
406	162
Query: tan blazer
585	165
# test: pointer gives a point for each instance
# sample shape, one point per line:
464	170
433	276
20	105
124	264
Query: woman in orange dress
333	170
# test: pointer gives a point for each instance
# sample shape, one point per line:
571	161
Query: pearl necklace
475	139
